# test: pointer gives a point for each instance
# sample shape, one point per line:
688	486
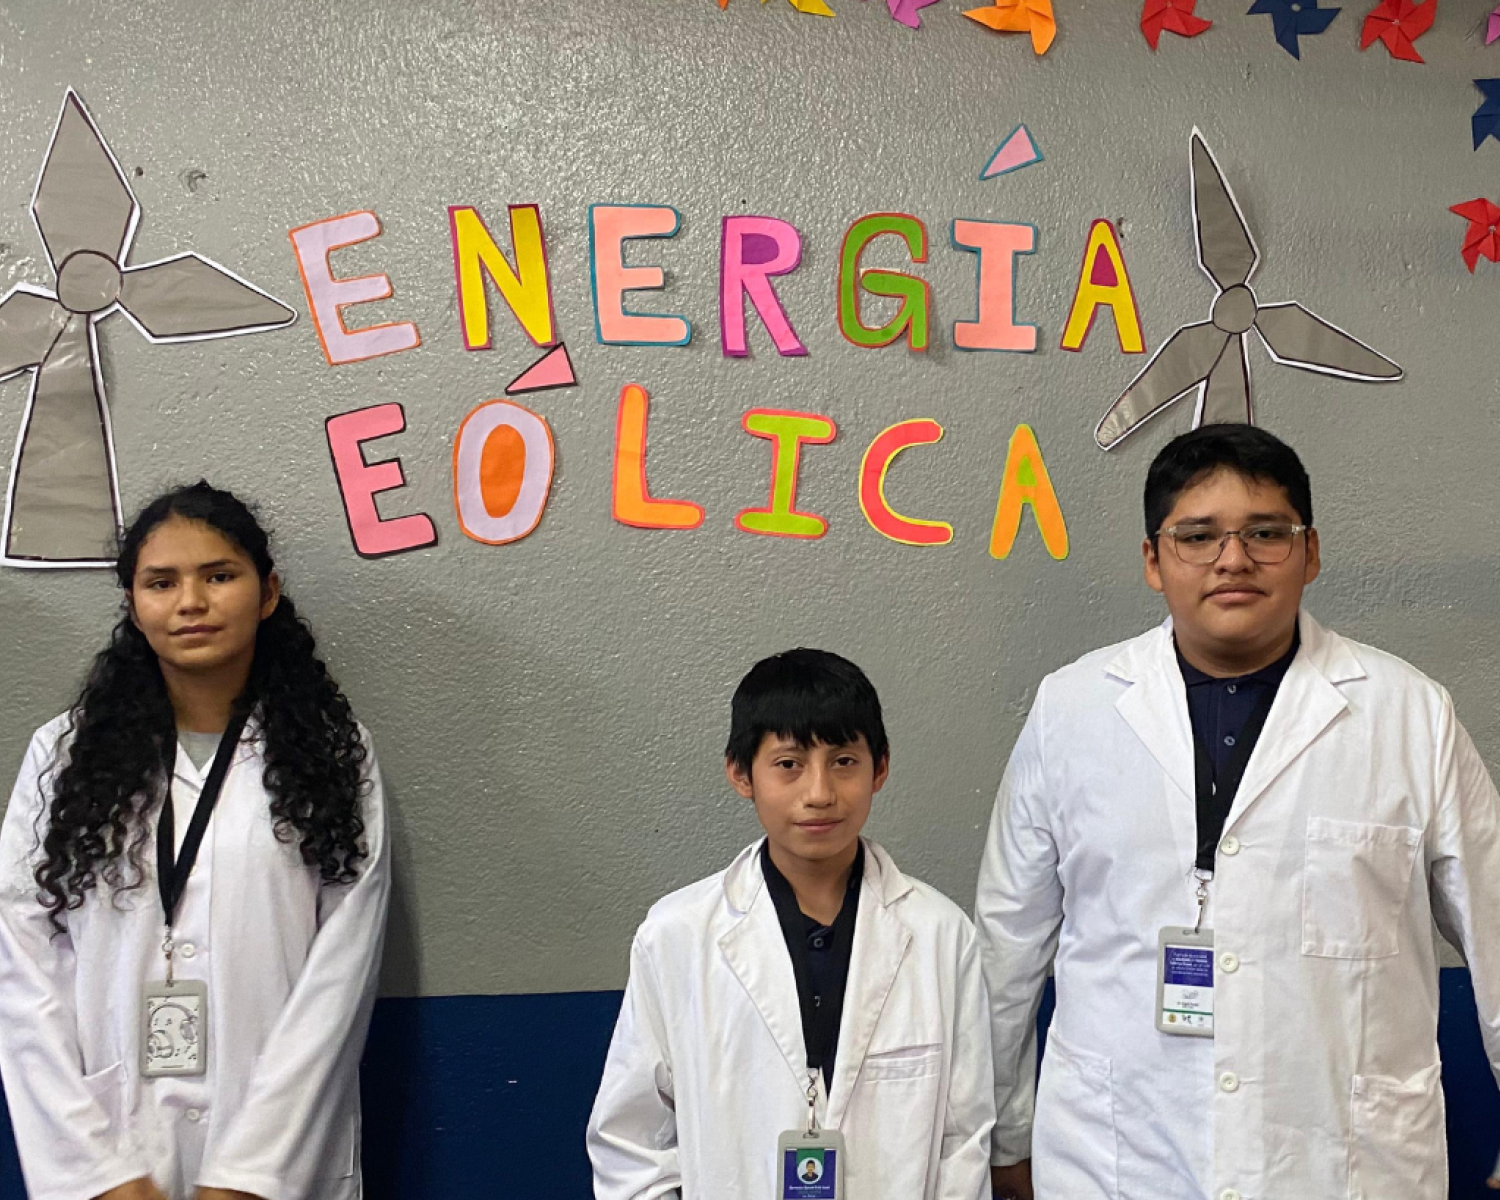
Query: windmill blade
188	297
1226	392
82	201
29	325
1297	338
63	507
1226	251
1182	363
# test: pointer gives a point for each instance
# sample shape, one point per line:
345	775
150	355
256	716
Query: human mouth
1237	593
817	827
195	631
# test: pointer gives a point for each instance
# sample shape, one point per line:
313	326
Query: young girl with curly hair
193	886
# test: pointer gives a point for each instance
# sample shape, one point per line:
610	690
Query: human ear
882	771
1151	552
270	595
1314	564
739	779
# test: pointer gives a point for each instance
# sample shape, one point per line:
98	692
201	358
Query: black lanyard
1216	794
173	869
820	1022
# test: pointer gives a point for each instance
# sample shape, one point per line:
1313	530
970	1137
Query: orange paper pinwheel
1020	16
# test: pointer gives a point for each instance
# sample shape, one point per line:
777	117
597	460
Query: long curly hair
122	734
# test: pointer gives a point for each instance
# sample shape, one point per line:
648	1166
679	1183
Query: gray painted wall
549	714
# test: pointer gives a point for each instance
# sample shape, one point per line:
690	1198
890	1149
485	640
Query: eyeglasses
1201	545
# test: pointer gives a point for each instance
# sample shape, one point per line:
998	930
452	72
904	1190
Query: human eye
222	577
1197	537
1273	534
784	763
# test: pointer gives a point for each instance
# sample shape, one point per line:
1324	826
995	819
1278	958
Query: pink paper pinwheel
905	11
1171	16
1399	23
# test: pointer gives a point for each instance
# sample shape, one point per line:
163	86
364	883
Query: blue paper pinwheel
1487	115
1293	19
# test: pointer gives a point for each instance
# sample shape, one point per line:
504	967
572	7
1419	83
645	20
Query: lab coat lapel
1155	708
1307	702
880	942
756	952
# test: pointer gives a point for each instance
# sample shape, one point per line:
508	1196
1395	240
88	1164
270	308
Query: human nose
820	791
192	596
1233	555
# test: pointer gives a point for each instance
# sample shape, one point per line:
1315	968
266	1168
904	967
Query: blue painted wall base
463	1093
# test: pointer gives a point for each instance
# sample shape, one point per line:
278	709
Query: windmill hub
88	282
1234	311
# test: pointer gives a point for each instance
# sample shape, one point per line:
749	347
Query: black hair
124	734
1243	449
808	696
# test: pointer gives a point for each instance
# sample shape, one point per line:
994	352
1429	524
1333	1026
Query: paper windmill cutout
63	506
1487	115
1398	23
1482	238
1210	358
1492	32
1293	19
905	11
1171	16
1019	16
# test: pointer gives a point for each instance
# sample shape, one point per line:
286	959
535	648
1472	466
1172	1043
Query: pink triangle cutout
553	370
1017	151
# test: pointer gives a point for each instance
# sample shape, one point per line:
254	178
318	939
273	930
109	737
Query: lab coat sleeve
1018	910
305	1073
1464	869
69	1146
969	1118
632	1133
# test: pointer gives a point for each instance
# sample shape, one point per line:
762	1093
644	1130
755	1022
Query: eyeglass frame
1170	532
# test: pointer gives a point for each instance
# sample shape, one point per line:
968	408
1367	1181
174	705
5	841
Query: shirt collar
1271	675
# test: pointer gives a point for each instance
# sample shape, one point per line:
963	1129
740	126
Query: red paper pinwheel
1171	16
1482	239
1399	23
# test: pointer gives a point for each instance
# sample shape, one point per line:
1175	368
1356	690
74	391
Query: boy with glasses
1235	833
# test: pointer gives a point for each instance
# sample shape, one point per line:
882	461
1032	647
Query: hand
224	1194
136	1189
1012	1183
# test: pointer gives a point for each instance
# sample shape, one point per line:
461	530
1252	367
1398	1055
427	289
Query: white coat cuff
1010	1146
108	1177
229	1180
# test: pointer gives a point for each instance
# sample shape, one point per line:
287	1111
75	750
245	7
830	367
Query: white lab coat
708	1066
1364	813
291	969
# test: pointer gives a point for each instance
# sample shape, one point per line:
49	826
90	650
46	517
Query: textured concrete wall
549	714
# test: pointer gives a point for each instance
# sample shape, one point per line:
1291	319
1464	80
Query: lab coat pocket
107	1087
1075	1149
1397	1148
909	1062
1354	886
343	1142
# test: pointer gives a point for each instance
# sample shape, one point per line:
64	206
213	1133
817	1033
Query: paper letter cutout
633	504
1026	482
328	297
527	289
553	370
1482	238
787	431
1103	280
502	472
753	249
997	245
610	226
1018	150
872	472
911	290
360	482
1208	359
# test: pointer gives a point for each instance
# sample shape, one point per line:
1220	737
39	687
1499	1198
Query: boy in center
808	994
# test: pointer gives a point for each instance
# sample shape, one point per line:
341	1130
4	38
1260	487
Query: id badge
1185	982
811	1165
174	1028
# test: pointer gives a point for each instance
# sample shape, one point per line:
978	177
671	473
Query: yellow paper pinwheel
1020	16
815	8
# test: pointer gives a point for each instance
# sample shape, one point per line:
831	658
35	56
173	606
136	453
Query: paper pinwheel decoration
1019	16
1293	19
1210	358
63	506
1487	115
1482	238
1492	33
1399	23
905	11
1171	16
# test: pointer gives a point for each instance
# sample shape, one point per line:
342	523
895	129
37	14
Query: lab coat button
1229	1194
188	950
1230	845
1229	962
194	1114
1229	1082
